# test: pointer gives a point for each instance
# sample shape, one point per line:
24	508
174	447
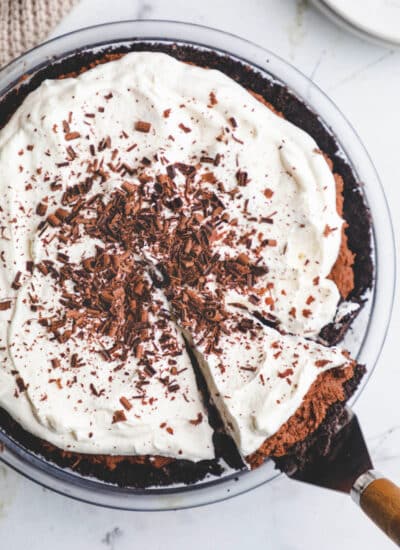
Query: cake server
347	467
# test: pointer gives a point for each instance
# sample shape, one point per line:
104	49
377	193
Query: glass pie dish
365	338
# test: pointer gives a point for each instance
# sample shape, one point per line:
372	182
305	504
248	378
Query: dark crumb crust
128	473
124	474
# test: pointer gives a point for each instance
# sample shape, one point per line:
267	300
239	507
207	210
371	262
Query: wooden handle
381	502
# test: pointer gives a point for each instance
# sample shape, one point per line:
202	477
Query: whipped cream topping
150	111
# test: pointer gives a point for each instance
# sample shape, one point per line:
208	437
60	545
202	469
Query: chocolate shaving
242	178
186	129
125	403
41	209
16	284
119	416
21	384
55	363
142	126
72	135
198	420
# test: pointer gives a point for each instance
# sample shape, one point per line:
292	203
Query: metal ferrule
362	483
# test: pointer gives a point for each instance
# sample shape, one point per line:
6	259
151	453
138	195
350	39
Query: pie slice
271	389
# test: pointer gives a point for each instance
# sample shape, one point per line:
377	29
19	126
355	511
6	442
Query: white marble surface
364	81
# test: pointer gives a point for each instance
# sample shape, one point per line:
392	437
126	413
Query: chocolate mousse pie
182	249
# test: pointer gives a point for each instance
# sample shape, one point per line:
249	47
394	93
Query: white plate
377	20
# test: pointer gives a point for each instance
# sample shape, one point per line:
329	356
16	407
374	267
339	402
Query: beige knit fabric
25	23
